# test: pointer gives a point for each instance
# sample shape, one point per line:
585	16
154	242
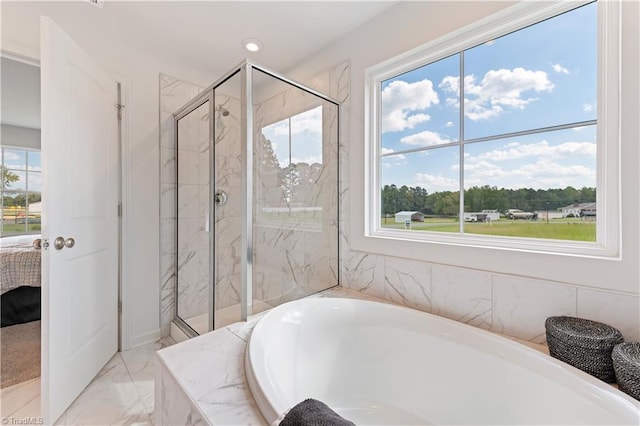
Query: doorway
20	224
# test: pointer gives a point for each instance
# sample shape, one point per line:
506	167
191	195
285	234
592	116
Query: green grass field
565	229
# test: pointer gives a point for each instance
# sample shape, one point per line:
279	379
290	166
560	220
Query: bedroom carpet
20	353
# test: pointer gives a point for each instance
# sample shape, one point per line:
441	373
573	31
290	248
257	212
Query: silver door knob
37	244
60	243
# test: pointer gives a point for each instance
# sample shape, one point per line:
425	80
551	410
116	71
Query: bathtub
375	363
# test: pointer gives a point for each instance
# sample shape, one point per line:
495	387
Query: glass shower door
193	294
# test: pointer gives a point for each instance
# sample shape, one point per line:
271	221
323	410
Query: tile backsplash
505	304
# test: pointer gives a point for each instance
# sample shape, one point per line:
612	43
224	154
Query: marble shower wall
174	93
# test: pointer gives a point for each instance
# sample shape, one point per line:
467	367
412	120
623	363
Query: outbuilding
402	217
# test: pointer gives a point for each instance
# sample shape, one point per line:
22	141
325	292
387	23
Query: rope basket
584	344
626	363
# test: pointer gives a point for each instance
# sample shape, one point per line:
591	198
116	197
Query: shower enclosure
257	197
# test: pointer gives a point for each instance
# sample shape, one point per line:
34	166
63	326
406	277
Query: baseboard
166	330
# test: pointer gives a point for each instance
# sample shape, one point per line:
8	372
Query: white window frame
608	220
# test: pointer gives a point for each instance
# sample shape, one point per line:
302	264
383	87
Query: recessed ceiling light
251	44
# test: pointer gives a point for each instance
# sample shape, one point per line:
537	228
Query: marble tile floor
121	393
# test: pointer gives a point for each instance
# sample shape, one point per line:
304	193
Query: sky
16	161
543	75
305	130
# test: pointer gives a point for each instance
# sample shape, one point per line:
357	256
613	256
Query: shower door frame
245	69
190	107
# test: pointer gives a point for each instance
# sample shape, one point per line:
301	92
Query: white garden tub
375	363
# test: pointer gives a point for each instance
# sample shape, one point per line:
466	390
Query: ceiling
202	35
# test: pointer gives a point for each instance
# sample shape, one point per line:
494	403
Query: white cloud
498	90
560	69
433	183
515	151
309	160
425	138
449	124
587	107
537	175
310	121
394	160
401	100
538	165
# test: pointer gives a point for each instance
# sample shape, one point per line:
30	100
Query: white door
80	195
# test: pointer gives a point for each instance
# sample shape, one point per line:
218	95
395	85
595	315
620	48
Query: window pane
13	214
14	159
14	180
416	109
34	215
540	76
531	179
34	160
425	182
35	181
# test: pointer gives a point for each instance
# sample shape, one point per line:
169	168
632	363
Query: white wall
411	24
20	136
139	71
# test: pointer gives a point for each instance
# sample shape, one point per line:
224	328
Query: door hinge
119	307
119	210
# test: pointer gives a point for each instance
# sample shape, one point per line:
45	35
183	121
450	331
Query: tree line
478	198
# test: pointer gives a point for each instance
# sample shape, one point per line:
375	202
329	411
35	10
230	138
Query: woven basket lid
583	332
628	351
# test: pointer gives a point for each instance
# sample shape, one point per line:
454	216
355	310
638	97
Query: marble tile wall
509	305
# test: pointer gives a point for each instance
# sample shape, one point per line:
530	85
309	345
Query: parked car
519	214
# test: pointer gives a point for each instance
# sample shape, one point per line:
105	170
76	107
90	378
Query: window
494	135
21	206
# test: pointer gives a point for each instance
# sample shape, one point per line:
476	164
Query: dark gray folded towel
312	412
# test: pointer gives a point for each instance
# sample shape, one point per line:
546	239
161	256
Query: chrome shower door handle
221	198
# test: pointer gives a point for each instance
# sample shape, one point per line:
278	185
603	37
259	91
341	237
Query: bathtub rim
273	410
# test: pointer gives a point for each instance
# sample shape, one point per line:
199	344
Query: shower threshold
224	316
